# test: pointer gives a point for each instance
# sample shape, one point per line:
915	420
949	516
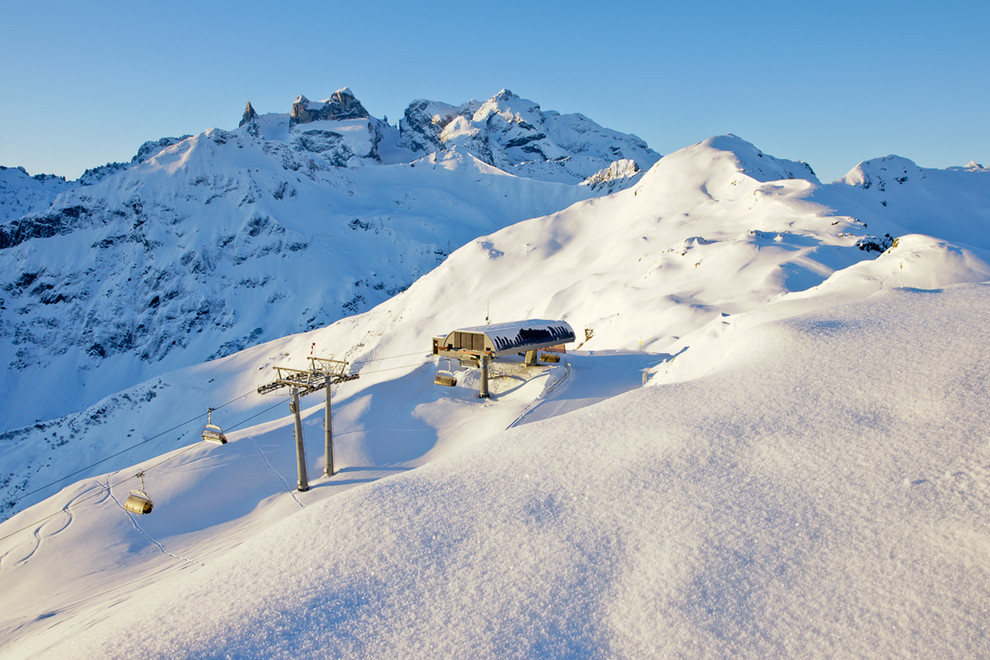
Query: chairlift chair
212	432
445	377
138	501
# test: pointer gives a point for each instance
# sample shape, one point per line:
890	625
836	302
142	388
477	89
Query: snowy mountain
204	245
794	502
743	503
711	232
22	194
515	135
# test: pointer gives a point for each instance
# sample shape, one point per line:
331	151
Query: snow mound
823	492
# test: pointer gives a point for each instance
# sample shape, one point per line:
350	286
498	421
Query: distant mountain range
204	245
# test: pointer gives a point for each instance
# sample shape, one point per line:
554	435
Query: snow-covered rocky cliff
207	244
22	194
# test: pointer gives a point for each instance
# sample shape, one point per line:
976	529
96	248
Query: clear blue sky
831	83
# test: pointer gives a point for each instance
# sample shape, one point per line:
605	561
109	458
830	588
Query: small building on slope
476	346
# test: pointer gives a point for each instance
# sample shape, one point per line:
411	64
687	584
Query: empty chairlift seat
139	502
212	432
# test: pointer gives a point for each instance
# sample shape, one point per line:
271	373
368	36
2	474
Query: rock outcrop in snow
249	114
881	173
339	106
516	135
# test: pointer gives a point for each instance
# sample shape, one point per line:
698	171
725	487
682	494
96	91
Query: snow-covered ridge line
203	245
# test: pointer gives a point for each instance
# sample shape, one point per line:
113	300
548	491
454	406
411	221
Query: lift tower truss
322	374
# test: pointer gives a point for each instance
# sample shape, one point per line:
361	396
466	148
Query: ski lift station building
503	338
479	345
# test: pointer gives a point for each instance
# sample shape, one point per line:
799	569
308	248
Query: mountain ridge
697	240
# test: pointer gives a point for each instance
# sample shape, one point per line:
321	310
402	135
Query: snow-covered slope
205	245
898	196
822	492
737	488
22	194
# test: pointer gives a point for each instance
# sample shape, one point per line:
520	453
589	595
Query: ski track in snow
37	535
137	526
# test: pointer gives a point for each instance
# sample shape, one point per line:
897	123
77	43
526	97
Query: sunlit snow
768	439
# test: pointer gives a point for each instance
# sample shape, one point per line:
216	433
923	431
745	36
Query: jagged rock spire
249	114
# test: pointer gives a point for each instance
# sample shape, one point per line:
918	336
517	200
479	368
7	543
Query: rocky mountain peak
515	135
342	104
249	114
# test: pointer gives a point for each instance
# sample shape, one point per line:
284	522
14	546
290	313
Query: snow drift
803	474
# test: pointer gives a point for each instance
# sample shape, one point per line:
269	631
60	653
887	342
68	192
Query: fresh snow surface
804	474
822	492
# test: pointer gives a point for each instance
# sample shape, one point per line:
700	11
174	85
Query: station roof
512	337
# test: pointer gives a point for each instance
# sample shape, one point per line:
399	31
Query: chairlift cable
126	449
387	357
174	454
406	366
124	480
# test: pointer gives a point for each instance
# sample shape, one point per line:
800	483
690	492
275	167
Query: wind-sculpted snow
822	492
800	473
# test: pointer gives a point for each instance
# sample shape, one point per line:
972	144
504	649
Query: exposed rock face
340	105
517	136
54	222
249	114
616	176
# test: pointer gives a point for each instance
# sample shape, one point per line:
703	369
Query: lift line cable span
174	428
122	451
174	454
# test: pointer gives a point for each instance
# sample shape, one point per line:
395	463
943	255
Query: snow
822	492
768	440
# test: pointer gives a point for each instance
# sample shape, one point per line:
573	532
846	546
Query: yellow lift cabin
138	501
477	346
